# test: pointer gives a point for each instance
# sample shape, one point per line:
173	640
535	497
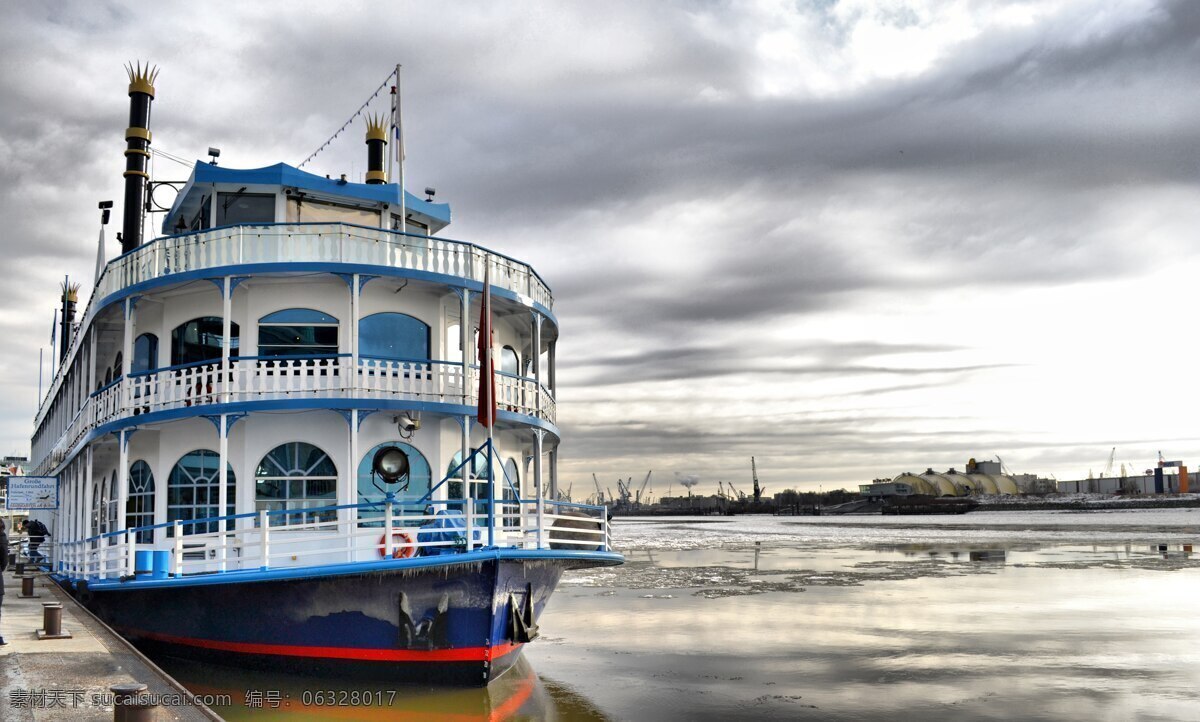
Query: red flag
487	371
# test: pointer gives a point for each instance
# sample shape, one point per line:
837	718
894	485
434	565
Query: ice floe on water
720	558
681	533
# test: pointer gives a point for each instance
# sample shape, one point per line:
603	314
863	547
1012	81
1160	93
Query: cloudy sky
847	237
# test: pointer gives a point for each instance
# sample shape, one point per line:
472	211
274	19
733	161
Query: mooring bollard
20	572
27	586
52	618
126	704
52	622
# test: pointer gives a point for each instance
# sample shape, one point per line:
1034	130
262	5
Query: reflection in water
517	695
1048	619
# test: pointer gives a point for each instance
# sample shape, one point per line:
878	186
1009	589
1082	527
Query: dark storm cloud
628	151
763	358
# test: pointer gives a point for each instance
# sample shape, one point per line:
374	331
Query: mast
399	124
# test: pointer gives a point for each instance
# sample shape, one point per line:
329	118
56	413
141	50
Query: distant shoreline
1072	502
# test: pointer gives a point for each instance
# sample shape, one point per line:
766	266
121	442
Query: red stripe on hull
460	654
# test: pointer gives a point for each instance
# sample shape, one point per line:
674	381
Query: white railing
301	243
300	538
271	378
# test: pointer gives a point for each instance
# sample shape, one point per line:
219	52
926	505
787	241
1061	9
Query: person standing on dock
37	532
3	567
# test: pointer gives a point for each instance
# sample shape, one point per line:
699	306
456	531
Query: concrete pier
70	679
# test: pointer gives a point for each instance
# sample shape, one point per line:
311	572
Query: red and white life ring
398	552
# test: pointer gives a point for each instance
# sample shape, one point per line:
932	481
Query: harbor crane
623	488
758	491
642	491
734	490
599	491
1109	466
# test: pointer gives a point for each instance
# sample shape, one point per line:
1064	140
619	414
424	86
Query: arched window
193	491
509	491
510	362
297	332
478	469
393	336
419	482
296	475
200	340
118	367
139	510
145	353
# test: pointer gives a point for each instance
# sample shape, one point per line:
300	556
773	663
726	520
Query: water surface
1014	615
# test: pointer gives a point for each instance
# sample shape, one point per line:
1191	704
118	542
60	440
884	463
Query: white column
226	332
354	304
122	479
127	343
536	350
88	494
554	473
466	449
537	482
126	392
349	492
223	475
552	364
91	375
464	336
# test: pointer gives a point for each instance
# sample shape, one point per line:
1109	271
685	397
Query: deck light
431	192
391	464
106	207
214	153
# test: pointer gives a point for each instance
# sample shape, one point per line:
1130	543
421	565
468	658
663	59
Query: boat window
307	210
393	336
145	353
478	470
510	363
297	332
419	482
233	208
193	491
416	227
117	366
296	475
200	340
139	510
200	221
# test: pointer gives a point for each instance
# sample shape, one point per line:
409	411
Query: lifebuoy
398	552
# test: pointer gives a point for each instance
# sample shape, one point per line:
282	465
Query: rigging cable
358	112
171	157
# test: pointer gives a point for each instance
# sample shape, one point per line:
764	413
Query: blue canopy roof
282	174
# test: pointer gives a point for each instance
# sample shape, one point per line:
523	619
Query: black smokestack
376	142
137	152
70	296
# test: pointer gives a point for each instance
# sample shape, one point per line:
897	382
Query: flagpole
399	120
487	303
54	339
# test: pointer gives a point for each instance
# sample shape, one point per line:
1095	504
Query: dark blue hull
451	622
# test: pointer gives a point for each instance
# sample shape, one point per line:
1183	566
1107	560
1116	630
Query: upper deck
239	224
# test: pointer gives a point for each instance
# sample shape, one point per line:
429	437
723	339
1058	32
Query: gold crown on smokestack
376	127
70	292
141	80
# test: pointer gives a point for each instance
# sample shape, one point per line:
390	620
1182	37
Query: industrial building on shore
988	478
